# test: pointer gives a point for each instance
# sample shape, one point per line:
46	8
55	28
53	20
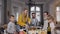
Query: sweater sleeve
20	22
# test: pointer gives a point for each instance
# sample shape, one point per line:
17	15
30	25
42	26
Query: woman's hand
15	33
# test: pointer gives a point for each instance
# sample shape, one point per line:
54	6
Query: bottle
5	32
48	29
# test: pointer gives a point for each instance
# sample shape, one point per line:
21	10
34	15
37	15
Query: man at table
34	20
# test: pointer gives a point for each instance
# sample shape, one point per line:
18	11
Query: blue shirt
34	22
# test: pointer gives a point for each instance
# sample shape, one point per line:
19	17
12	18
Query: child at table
52	24
11	29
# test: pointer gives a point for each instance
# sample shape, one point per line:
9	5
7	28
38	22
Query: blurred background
15	7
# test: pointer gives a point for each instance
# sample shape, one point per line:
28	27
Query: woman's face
26	12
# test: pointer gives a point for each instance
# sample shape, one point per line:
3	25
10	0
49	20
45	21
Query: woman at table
23	19
51	21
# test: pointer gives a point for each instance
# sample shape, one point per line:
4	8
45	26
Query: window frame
58	13
41	5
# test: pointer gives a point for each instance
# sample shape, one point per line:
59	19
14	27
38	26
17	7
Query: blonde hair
51	18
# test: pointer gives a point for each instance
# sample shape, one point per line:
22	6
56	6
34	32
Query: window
58	14
15	13
38	15
35	9
17	16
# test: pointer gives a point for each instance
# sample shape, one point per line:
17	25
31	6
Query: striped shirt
11	27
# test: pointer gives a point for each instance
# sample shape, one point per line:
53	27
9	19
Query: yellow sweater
22	20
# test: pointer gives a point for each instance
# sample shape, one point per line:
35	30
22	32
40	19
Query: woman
23	20
51	21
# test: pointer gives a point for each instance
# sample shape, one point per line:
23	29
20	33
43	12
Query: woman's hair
25	9
51	18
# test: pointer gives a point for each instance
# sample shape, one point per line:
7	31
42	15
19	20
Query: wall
0	15
1	12
52	7
21	4
15	7
44	5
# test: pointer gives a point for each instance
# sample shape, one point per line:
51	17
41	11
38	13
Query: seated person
51	21
23	19
34	21
46	15
11	29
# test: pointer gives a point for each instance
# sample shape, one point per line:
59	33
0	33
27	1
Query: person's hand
15	32
26	25
29	22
